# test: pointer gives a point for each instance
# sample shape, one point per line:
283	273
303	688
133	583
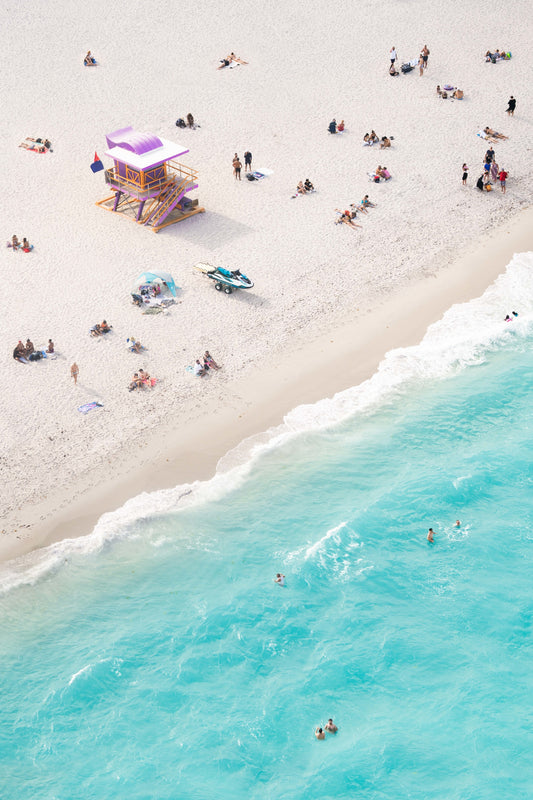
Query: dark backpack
181	123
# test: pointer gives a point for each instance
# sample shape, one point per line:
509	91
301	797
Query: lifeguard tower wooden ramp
149	185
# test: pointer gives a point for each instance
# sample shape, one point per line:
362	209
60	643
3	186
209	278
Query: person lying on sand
494	134
38	145
358	207
96	330
225	62
345	217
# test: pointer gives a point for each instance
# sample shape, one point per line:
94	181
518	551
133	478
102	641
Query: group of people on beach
498	55
201	368
347	216
24	353
190	123
304	187
100	328
237	164
369	139
336	127
140	380
25	246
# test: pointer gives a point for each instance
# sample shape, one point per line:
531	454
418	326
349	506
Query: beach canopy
156	277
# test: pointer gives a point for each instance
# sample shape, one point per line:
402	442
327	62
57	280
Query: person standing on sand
511	107
247	161
237	166
425	55
503	180
393	55
465	174
421	65
74	372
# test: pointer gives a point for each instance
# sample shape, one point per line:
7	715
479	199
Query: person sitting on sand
300	189
385	174
330	726
358	207
104	327
190	120
89	60
308	186
29	348
319	733
50	348
385	142
135	382
439	90
26	246
488	56
393	71
458	94
144	378
365	202
374	138
135	346
19	353
340	126
225	62
198	369
209	361
15	244
332	127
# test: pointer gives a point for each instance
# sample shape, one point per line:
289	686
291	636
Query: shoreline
331	361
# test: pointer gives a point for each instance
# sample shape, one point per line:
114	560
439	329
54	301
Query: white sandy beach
328	301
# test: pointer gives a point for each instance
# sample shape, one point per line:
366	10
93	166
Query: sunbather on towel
225	62
39	145
345	217
365	202
494	134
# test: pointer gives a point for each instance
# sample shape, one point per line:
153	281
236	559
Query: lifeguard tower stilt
149	185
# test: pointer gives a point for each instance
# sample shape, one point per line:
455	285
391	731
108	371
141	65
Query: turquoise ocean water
157	658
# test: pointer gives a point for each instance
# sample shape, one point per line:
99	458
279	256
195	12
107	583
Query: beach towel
84	409
262	173
153	310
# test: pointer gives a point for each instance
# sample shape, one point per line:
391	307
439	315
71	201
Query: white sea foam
463	337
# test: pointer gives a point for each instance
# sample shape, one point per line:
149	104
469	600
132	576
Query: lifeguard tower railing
135	184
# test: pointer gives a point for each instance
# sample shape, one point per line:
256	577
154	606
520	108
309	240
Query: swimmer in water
457	524
319	733
330	726
280	579
430	535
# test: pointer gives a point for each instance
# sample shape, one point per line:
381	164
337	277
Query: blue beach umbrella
156	277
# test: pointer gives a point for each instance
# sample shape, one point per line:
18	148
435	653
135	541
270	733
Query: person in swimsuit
425	55
280	578
319	733
247	161
15	244
330	726
237	166
89	61
431	533
465	174
190	120
209	361
50	348
74	372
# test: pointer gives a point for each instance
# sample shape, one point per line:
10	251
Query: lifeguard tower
149	185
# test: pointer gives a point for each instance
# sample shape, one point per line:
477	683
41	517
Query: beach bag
406	68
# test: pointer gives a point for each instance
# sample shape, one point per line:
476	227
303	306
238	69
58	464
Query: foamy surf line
463	337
